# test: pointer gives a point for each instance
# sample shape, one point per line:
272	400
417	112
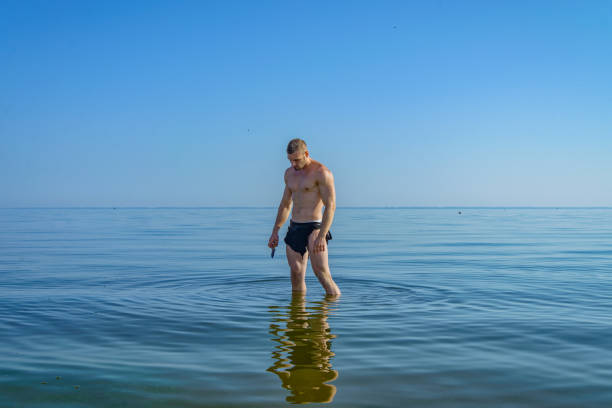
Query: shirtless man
309	185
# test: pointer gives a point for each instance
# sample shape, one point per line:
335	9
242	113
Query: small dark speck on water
459	212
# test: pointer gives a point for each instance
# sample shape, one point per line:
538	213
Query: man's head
297	153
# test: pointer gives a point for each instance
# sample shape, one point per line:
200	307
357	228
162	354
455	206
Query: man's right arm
284	209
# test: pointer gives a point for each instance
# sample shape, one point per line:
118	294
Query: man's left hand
320	244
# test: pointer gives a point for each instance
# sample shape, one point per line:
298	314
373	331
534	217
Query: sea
185	307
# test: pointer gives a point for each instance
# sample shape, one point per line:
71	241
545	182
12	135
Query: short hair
296	145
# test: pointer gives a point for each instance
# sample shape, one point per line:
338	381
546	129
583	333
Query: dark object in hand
272	254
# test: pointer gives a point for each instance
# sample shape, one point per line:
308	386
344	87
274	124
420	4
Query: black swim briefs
298	233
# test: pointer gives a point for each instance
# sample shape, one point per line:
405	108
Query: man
309	186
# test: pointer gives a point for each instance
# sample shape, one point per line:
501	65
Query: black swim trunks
298	233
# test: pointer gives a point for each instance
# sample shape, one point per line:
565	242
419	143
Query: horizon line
341	207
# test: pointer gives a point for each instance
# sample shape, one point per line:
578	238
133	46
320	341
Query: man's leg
320	266
298	264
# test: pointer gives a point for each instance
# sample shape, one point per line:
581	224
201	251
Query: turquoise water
185	308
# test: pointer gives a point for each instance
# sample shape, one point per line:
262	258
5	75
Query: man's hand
320	244
273	241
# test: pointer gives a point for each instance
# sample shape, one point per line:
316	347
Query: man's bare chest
303	184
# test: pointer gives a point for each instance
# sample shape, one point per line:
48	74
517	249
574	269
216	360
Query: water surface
184	307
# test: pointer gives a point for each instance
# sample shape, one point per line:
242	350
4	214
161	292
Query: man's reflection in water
302	356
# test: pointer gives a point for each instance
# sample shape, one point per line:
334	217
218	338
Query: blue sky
191	103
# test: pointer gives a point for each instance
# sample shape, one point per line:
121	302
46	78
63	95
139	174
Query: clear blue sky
191	103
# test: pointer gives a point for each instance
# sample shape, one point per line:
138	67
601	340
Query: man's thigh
318	260
296	261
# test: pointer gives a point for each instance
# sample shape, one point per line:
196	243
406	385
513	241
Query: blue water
184	307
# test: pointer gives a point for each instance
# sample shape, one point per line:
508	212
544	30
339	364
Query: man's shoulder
289	175
322	168
318	166
322	172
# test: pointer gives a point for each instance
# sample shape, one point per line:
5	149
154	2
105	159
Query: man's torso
304	186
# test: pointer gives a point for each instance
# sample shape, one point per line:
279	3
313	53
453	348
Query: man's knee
320	269
298	269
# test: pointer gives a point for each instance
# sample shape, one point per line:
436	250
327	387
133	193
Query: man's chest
302	184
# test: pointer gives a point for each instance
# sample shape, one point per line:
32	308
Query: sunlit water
185	308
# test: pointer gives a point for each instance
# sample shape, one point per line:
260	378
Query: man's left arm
328	196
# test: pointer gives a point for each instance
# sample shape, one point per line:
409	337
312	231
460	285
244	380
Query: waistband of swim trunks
298	224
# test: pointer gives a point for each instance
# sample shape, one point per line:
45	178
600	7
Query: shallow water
185	308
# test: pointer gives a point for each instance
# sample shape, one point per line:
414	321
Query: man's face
298	159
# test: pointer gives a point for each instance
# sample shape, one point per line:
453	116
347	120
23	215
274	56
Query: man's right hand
273	241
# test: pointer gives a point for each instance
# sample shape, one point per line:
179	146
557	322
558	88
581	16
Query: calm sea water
185	308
